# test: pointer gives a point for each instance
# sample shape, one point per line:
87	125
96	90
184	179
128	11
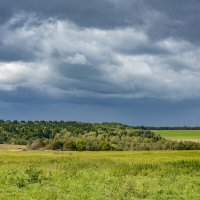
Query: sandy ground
11	147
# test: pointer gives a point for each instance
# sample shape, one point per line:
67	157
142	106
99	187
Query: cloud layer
60	58
134	61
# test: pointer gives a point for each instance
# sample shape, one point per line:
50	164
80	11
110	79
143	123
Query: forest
79	136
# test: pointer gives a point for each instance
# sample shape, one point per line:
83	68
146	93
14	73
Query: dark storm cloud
164	18
67	59
148	112
15	53
116	55
179	18
158	19
98	13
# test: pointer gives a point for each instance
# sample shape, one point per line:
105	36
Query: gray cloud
101	49
160	18
63	59
98	13
133	61
179	19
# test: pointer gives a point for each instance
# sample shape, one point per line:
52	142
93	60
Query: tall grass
100	175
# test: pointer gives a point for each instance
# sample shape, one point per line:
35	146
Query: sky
128	61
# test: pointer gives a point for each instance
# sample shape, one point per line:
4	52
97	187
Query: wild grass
99	175
187	135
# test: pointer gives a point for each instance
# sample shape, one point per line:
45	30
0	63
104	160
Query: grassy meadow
187	135
99	175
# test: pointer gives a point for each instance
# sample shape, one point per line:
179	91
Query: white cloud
76	59
111	61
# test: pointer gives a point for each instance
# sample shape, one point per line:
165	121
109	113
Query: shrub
36	145
57	144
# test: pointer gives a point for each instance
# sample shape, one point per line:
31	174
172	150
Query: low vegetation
100	175
109	171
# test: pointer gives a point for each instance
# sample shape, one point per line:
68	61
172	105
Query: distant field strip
192	135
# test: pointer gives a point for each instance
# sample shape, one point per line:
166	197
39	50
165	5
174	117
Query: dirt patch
11	147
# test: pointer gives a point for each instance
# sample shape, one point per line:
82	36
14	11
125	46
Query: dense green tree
85	136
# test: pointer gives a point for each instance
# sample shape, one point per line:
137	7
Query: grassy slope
193	135
100	175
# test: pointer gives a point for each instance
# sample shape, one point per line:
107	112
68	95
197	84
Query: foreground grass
100	175
187	135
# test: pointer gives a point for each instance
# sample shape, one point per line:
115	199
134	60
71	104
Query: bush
69	145
57	144
36	145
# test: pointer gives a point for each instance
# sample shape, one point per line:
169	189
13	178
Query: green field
99	175
193	135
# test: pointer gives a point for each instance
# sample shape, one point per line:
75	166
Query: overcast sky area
130	61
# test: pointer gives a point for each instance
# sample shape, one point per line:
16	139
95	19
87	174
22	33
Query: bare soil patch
11	147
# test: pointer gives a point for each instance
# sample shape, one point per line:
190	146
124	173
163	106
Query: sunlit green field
193	135
100	175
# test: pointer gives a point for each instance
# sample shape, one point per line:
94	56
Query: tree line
79	136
